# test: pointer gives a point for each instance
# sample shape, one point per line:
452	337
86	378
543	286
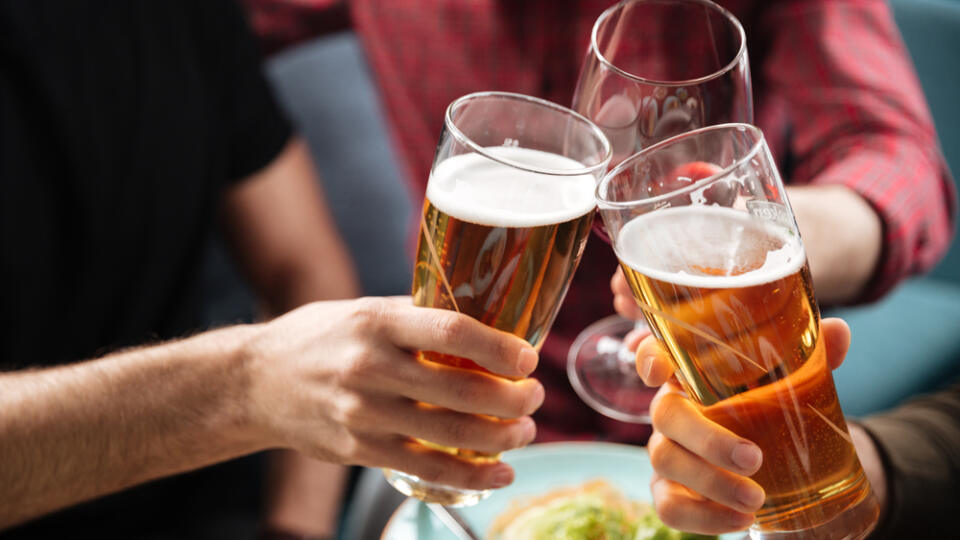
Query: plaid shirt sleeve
835	71
859	118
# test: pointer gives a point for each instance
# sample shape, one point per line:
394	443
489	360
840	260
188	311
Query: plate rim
548	447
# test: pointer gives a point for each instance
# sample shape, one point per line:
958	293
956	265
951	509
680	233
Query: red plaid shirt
834	88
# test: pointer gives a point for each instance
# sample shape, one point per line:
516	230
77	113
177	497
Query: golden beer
500	244
730	296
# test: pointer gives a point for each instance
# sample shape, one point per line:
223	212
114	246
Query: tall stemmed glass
507	212
654	69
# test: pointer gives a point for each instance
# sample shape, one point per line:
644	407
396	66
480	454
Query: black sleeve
919	443
257	129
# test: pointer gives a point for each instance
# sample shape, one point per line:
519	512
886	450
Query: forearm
73	433
858	119
284	236
842	235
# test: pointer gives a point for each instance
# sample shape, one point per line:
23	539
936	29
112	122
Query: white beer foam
666	244
477	189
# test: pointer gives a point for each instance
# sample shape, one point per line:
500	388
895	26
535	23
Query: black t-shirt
121	124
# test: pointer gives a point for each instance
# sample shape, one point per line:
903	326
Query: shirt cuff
919	485
913	195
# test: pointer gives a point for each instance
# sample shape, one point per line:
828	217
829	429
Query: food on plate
593	511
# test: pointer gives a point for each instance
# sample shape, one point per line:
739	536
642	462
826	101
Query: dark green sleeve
919	443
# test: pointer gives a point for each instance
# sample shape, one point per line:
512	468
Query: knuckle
354	412
523	398
660	412
450	327
467	393
366	449
431	473
656	439
362	361
368	314
351	448
458	431
661	459
502	349
477	477
517	436
713	445
669	511
522	405
717	485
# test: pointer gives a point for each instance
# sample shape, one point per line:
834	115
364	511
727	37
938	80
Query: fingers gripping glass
653	69
508	209
719	270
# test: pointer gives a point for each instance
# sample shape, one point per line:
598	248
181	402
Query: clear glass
507	212
719	270
654	68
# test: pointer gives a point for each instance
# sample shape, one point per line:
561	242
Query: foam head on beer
481	190
709	247
499	241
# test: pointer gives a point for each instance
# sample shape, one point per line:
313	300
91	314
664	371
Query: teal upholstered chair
910	341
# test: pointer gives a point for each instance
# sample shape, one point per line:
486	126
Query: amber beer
500	244
730	296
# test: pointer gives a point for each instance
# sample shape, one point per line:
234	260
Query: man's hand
339	382
701	470
336	380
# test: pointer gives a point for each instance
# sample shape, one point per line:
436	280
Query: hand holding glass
718	267
508	208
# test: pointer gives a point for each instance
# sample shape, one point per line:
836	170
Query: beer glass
653	69
508	209
719	270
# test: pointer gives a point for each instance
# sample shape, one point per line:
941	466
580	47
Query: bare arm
858	119
75	432
334	380
282	232
842	235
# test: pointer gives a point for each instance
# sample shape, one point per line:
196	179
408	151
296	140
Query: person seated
127	131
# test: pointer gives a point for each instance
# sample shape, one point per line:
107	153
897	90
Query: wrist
233	355
842	234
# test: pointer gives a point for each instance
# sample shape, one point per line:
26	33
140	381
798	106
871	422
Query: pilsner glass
508	209
653	69
718	267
